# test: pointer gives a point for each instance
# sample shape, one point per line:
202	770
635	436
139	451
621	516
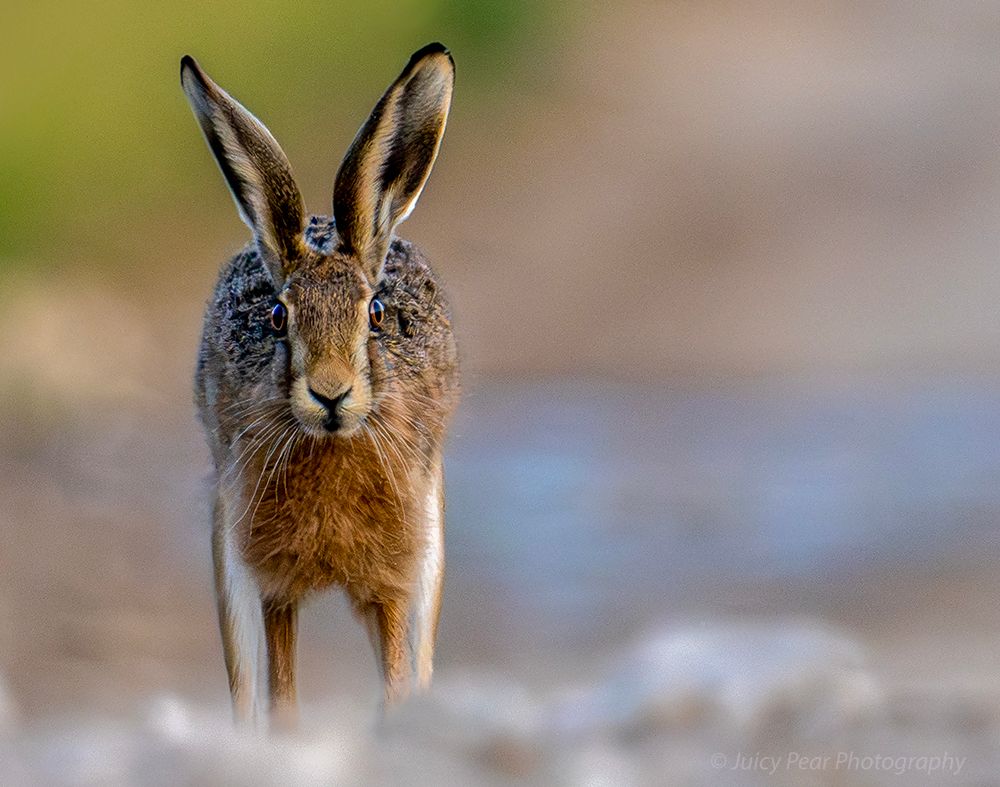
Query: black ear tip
193	77
188	63
435	48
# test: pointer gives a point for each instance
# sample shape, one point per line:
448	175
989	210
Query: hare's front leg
241	621
387	629
403	629
279	624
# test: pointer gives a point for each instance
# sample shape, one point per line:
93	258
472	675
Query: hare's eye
376	313
279	319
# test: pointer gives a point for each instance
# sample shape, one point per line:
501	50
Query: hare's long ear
388	163
255	168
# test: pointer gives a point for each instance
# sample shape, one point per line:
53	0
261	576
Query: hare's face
333	354
331	346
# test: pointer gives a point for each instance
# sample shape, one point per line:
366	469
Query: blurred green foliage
96	139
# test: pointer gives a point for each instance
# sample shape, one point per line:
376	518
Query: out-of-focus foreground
725	483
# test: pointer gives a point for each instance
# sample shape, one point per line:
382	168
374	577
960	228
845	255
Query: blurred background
725	480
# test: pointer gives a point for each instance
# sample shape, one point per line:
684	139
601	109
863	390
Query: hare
326	376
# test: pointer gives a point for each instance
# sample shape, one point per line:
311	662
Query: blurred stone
753	677
474	709
517	758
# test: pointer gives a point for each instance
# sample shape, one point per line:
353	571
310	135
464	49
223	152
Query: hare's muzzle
335	408
332	421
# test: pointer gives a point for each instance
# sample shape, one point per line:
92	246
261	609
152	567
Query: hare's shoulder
408	279
244	283
236	322
236	344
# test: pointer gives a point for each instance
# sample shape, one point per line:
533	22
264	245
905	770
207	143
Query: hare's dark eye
279	319
376	313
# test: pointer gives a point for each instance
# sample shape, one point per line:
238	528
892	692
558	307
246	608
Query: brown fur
309	497
280	620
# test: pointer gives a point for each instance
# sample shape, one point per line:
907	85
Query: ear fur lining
388	163
255	169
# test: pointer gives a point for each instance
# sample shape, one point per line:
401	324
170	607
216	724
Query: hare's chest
326	521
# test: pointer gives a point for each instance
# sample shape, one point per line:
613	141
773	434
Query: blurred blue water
568	500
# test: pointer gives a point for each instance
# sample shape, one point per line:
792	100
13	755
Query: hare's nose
332	422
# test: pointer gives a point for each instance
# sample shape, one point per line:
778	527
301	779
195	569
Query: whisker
412	396
383	460
399	437
393	442
247	410
249	426
270	476
258	441
385	439
250	403
287	454
253	495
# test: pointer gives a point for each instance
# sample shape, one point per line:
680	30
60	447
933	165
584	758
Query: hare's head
328	311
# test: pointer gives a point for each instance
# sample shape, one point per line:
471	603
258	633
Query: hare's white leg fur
241	620
430	577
